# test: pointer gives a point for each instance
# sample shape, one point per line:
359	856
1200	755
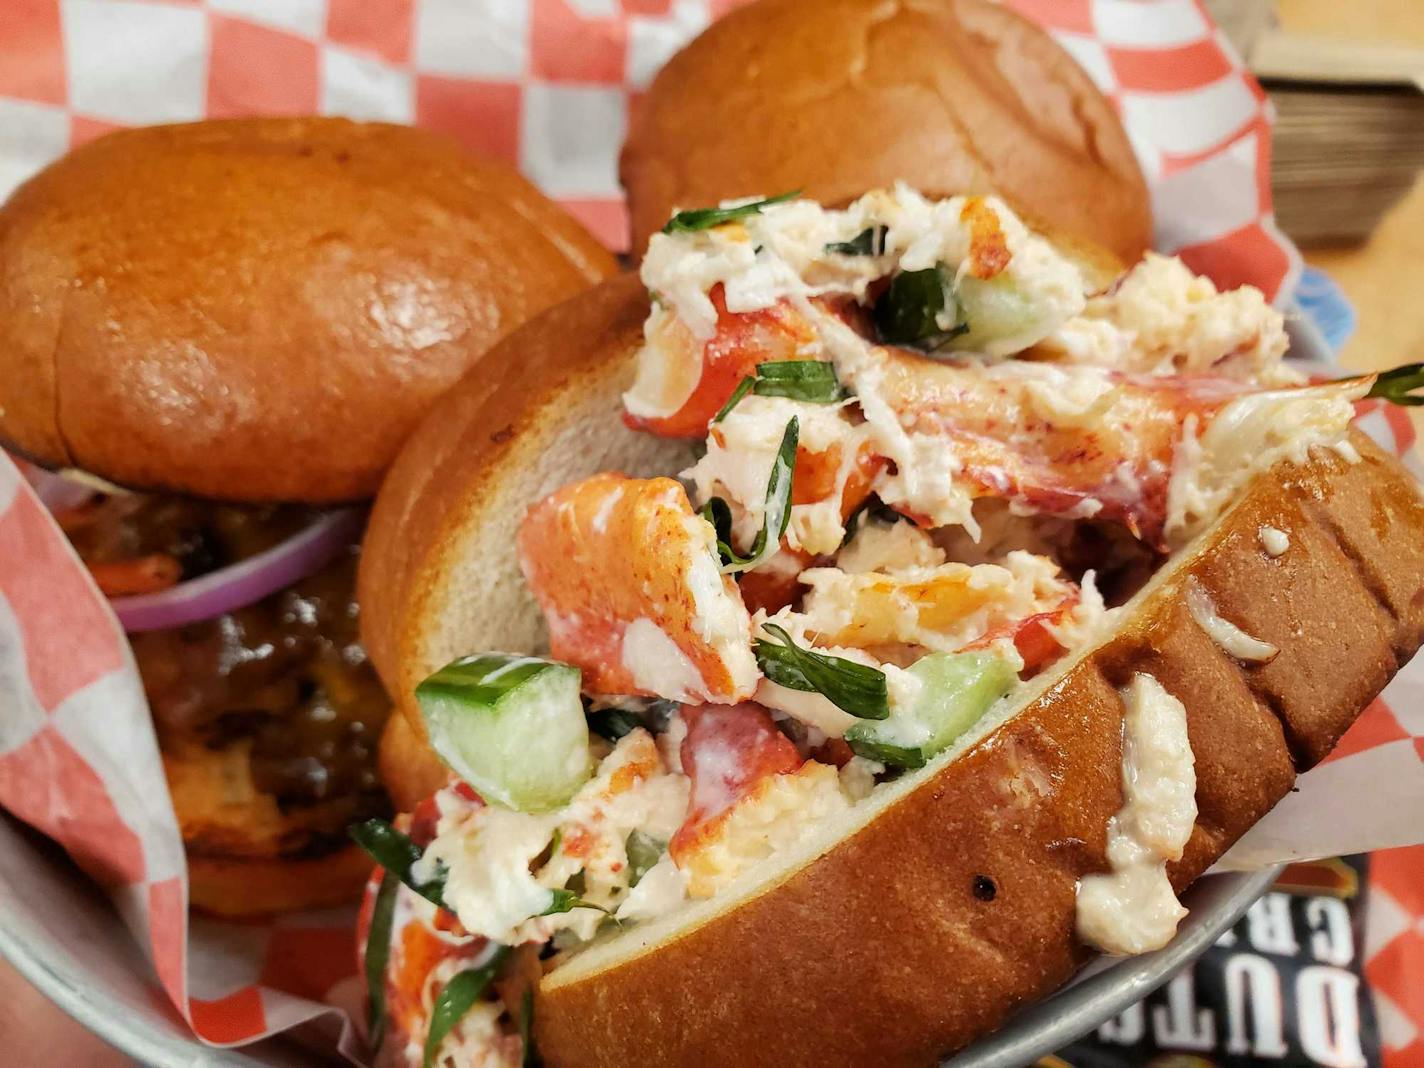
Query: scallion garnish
810	381
1398	385
743	388
643	852
776	513
911	310
869	242
396	853
378	955
686	222
851	687
526	1030
566	900
613	723
459	996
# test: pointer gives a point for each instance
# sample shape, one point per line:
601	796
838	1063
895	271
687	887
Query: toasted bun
438	574
837	97
921	965
409	769
262	309
248	855
244	887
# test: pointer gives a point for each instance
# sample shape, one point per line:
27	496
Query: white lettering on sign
1332	941
1268	925
1327	1002
1127	1028
1179	1024
1253	992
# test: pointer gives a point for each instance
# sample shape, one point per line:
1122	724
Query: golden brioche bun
409	768
247	887
439	549
247	855
262	309
837	97
922	964
919	963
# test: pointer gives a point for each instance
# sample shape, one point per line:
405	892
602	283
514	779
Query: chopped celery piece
513	727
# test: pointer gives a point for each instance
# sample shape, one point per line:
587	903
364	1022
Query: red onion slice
56	492
243	583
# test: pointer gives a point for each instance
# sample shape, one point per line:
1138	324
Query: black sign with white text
1282	987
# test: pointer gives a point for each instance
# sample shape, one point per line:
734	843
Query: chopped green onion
743	388
892	756
396	853
686	222
566	900
869	242
851	687
526	1030
911	310
1398	385
811	381
378	955
459	996
613	723
775	516
643	852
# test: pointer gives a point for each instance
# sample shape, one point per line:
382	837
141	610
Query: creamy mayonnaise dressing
488	853
941	608
782	812
1161	318
1230	638
1133	908
1249	435
741	450
1274	540
781	253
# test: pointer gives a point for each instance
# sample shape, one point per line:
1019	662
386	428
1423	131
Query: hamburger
825	643
215	337
837	97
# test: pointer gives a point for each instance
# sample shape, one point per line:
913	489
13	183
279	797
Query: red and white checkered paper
548	85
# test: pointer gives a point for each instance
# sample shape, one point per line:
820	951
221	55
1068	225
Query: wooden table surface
1383	278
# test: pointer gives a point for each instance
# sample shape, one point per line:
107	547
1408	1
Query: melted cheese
1230	638
1133	909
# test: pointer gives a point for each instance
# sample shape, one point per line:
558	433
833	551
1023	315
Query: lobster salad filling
935	457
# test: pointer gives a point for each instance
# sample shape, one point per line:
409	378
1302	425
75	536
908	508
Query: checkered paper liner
547	84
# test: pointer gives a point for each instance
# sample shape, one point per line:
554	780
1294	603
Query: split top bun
838	97
262	309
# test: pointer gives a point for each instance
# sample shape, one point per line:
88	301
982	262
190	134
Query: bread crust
262	309
421	596
884	954
246	887
837	97
879	949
